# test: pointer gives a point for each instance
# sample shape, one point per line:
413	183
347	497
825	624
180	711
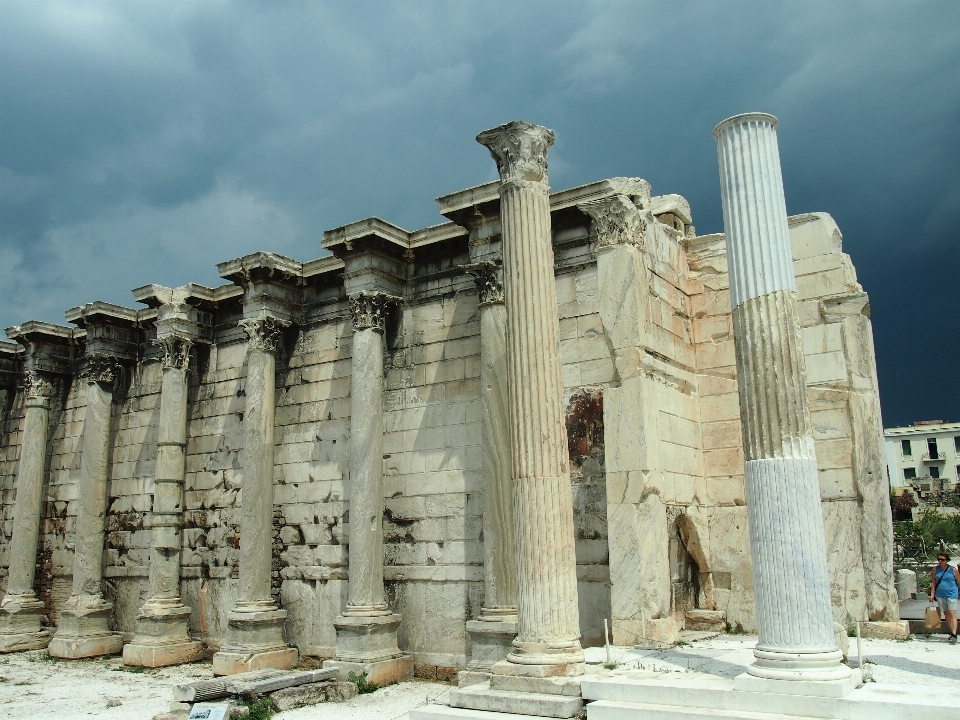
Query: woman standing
944	584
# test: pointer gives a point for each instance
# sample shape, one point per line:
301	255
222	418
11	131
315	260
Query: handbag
931	616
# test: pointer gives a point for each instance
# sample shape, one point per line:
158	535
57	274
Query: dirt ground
35	687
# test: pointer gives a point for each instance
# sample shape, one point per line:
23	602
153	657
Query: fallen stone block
263	686
705	620
212	689
899	630
313	693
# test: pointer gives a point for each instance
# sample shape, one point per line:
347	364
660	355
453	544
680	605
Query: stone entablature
644	322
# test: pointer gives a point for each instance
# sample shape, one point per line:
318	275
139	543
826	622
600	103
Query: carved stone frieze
616	221
487	277
369	311
176	351
520	150
264	331
103	369
36	386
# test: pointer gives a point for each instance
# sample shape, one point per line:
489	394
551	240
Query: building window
934	472
905	448
909	473
932	448
956	444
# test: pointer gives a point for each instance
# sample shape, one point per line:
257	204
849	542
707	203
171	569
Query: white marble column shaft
162	637
787	541
20	609
548	640
365	595
84	623
499	534
255	630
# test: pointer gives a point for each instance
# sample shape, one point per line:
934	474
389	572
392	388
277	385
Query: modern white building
926	449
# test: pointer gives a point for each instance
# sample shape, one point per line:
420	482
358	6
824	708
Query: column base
798	666
162	637
84	630
491	642
379	672
254	642
367	638
812	687
21	624
561	658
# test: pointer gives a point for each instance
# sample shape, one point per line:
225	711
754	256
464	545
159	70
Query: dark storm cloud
144	142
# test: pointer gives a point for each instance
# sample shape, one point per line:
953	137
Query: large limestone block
841	521
639	566
730	565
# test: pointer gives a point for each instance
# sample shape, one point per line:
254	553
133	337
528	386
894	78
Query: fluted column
20	609
787	541
367	629
162	637
255	632
84	623
548	640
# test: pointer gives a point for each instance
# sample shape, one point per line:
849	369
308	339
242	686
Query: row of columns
781	474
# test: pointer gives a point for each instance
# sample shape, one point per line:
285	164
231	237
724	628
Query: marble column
548	640
84	628
255	625
367	629
493	631
162	636
787	541
20	610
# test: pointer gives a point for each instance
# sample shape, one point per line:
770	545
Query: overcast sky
147	141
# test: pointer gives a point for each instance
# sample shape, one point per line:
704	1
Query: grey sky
146	141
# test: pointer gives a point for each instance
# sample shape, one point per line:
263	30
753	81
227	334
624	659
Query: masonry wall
653	425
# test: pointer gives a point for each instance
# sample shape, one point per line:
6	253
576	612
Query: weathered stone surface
787	538
313	693
644	319
899	630
547	607
906	584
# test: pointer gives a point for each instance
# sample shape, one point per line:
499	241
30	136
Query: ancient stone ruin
457	448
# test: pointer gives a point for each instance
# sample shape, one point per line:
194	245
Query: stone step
445	712
697	693
616	710
481	697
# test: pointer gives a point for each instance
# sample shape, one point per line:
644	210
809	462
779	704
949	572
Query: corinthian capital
520	150
103	369
36	386
176	351
487	277
264	332
616	221
369	311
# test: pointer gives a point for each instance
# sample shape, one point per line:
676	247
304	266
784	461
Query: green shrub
360	681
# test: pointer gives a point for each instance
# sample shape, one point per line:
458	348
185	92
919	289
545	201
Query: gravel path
33	687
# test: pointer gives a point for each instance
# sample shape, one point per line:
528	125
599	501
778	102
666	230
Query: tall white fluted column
787	541
548	640
255	625
162	636
84	629
367	629
20	609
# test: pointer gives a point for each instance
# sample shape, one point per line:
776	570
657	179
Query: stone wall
653	425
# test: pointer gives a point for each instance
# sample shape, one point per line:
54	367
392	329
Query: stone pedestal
21	612
162	624
255	625
548	639
367	629
787	541
84	629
